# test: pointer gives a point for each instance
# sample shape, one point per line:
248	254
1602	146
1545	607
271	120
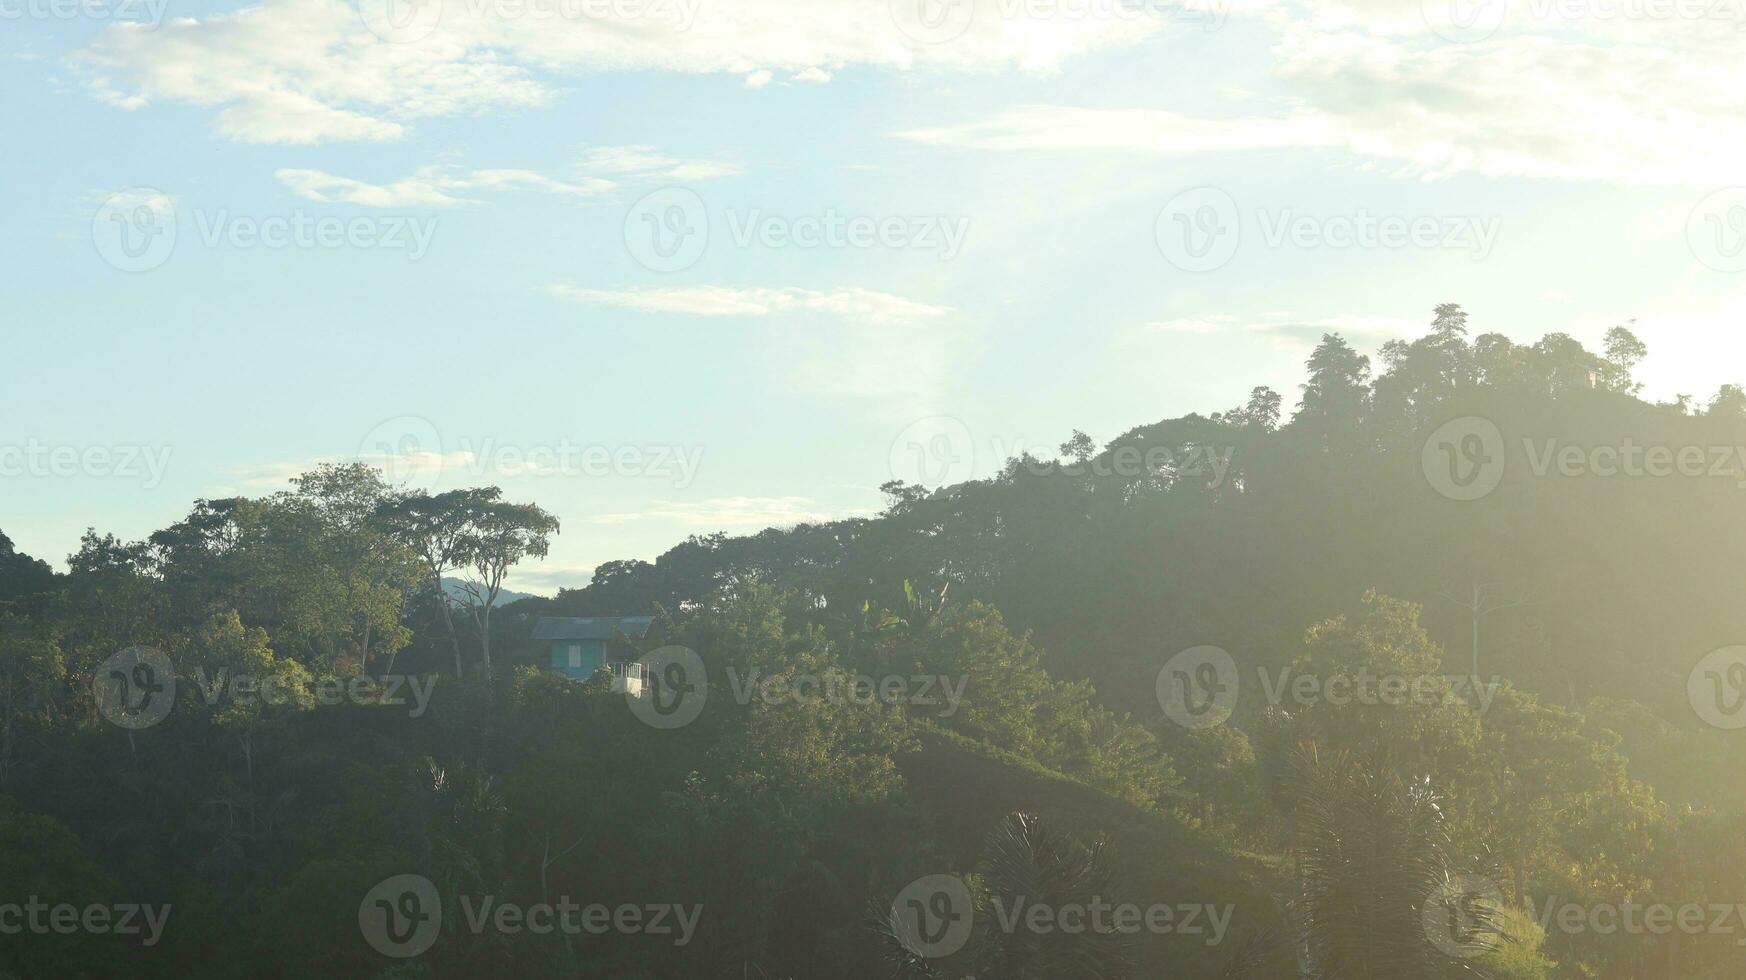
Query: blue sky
473	294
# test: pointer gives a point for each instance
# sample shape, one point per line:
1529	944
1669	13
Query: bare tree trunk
1476	606
448	621
547	859
485	636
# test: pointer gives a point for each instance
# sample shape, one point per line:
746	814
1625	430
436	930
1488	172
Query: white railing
629	677
630	669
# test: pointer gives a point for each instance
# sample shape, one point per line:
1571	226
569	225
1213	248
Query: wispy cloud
429	187
1371	80
312	71
645	163
600	171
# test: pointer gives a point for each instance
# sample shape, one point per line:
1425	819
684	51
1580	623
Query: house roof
590	627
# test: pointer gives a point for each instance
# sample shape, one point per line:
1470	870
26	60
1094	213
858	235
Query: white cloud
854	303
429	187
411	191
1641	101
297	118
130	199
301	71
1626	99
1638	102
532	180
440	186
648	164
310	71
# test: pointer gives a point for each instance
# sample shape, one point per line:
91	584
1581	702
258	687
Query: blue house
582	645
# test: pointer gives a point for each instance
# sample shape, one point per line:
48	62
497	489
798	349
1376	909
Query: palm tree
1027	864
1373	853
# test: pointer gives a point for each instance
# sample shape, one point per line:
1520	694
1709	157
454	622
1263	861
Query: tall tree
1729	403
1373	851
1623	352
1338	389
20	574
370	567
499	537
440	530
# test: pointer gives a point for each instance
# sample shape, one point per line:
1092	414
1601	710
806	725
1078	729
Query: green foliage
21	575
1043	601
1372	850
46	863
1518	955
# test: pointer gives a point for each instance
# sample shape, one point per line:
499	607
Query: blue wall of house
593	657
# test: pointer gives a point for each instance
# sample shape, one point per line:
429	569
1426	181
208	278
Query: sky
670	267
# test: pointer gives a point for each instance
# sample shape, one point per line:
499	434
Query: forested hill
1255	527
1088	678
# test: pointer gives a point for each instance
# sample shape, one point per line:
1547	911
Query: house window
575	656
